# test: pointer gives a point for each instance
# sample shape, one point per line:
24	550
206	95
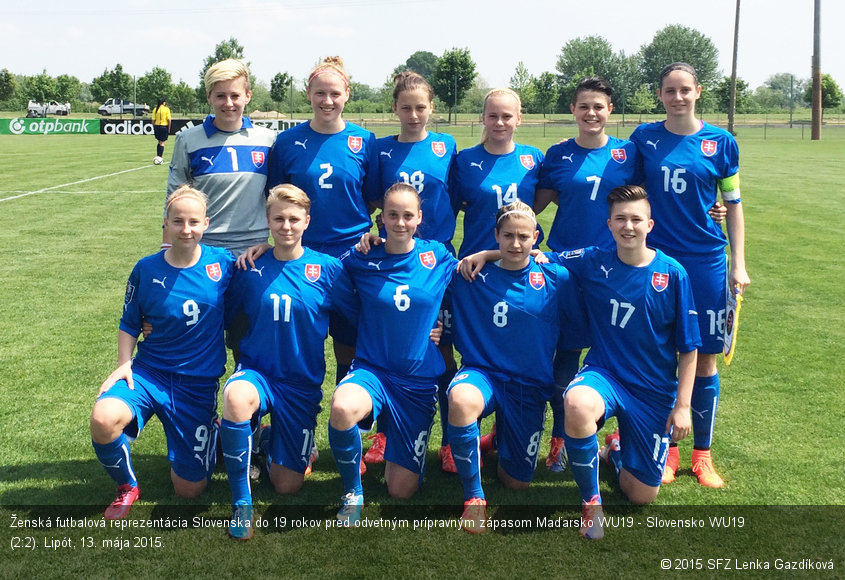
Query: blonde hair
225	70
290	194
498	92
330	65
511	211
186	191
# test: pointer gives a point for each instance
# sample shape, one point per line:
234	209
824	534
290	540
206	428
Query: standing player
161	128
334	163
176	370
687	163
507	324
227	158
400	285
577	175
422	159
286	295
494	173
641	316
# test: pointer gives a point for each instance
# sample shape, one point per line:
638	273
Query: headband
180	196
328	70
517	212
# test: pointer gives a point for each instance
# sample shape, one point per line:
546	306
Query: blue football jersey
507	322
185	308
639	317
583	178
339	172
400	296
481	183
425	165
288	305
681	177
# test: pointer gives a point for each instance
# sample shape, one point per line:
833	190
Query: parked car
35	109
119	107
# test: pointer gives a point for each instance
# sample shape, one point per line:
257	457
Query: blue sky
83	38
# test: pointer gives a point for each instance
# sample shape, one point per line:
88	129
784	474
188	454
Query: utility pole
816	133
732	105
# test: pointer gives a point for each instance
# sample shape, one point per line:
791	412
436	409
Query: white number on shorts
233	153
596	181
500	314
660	442
328	173
421	444
533	444
400	299
287	301
307	443
508	197
615	314
192	311
674	180
717	322
416	179
201	436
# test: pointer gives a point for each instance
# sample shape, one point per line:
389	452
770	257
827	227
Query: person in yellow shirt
161	128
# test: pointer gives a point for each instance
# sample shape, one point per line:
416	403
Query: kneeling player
641	315
176	370
506	325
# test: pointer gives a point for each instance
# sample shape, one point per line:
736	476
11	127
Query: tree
183	98
786	90
154	85
642	101
521	82
112	84
453	76
545	92
227	49
8	86
42	87
722	93
67	88
676	43
582	57
831	93
421	62
279	87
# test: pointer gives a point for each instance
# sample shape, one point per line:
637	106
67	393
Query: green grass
70	248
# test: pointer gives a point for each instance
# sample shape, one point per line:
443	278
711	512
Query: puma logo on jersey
376	265
474	164
386	153
483	276
653	143
210	162
606	271
567	157
157	281
258	271
301	144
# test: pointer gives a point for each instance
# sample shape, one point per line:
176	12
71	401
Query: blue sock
584	462
614	458
443	382
236	441
465	452
346	448
116	460
705	401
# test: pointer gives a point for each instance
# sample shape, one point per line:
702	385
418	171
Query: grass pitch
77	212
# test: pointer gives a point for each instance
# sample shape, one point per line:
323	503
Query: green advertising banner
49	126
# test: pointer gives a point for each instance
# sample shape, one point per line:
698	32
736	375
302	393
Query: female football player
687	163
287	296
175	372
422	159
400	286
334	163
507	324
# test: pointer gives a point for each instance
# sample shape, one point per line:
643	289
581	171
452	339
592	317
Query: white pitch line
73	183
